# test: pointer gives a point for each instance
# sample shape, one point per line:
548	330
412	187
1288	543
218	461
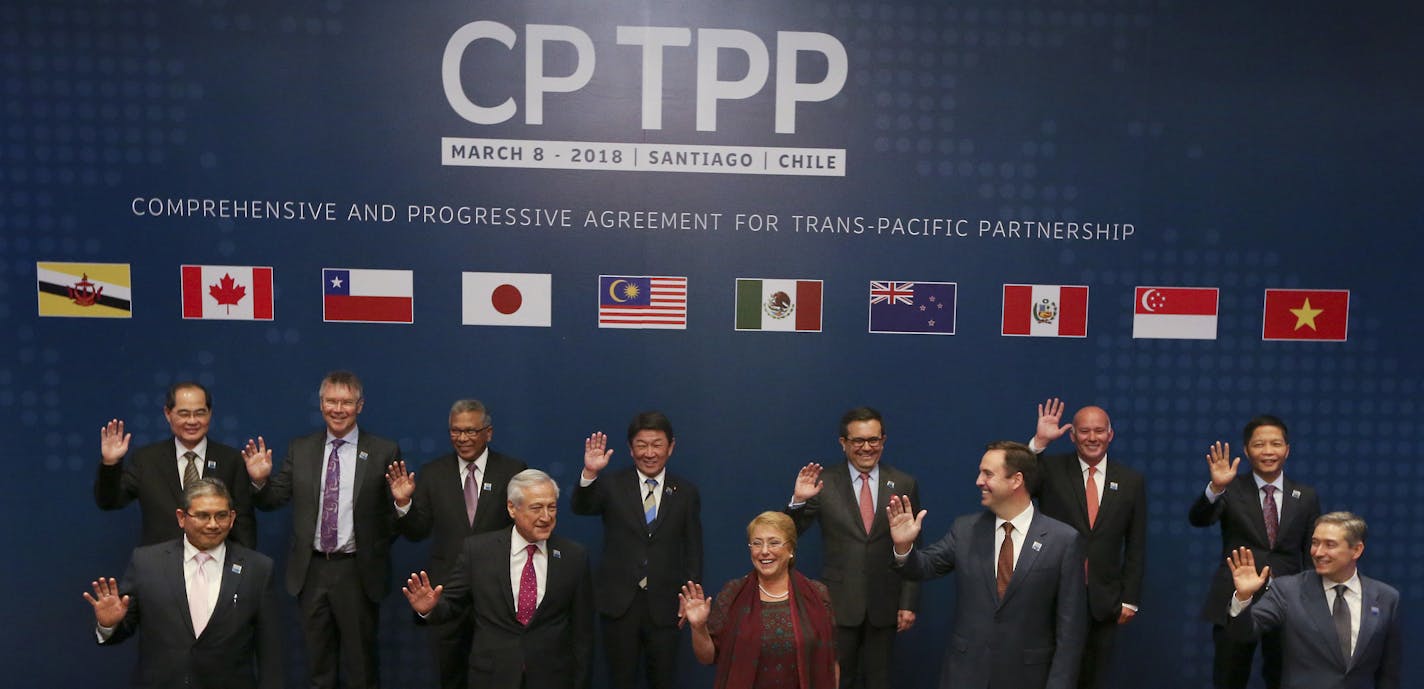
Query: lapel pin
236	568
487	487
1112	485
1374	609
1037	546
889	484
1295	494
361	455
212	465
557	555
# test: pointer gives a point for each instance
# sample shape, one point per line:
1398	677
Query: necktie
1340	611
1273	518
528	588
190	472
650	505
1006	559
1092	490
198	604
472	493
867	502
331	498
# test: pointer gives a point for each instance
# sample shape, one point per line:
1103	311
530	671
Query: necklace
774	596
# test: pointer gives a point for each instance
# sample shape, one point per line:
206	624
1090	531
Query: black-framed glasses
222	517
467	432
875	441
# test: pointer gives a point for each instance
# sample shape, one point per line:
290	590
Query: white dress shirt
201	463
345	506
517	555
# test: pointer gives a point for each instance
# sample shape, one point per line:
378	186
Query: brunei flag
85	290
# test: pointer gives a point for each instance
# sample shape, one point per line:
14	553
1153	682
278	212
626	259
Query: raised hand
595	455
904	523
1243	573
1048	430
258	459
1223	472
693	605
418	591
113	442
402	483
109	606
808	483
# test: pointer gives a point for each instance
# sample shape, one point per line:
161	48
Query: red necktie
528	588
1006	559
867	502
1092	497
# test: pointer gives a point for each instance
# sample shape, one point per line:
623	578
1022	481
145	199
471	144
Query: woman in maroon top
771	629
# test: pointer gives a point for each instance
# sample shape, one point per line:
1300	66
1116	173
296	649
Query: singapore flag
1175	313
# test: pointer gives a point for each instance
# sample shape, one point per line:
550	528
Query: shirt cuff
1237	605
900	559
793	505
1130	606
1036	449
1212	496
102	633
401	511
585	482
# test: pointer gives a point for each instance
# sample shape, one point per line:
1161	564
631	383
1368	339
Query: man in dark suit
1270	514
158	473
205	609
343	522
1020	614
1339	630
459	494
652	545
1107	503
870	600
527	593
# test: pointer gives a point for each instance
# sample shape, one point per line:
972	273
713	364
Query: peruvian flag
1045	311
237	293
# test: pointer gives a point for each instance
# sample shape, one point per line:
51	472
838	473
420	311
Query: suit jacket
374	510
1238	510
1116	544
439	506
151	476
1296	606
240	648
667	551
1033	637
856	567
555	651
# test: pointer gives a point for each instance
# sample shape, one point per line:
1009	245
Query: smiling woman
770	628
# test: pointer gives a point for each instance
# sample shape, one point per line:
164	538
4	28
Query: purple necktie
331	498
1273	518
472	493
528	588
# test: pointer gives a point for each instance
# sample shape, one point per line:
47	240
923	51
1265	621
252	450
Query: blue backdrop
1247	148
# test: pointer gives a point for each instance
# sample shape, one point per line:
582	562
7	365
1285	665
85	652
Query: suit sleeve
588	499
1387	676
936	560
910	591
278	489
1205	512
245	528
455	598
115	485
418	522
1265	615
270	666
1134	562
1071	618
805	515
583	628
692	539
1312	512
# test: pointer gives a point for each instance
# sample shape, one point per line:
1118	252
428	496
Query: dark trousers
451	643
339	622
1231	669
864	654
636	633
1096	667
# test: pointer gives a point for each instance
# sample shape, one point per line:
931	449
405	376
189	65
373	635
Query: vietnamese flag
1306	314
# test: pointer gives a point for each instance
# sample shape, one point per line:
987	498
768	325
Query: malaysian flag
912	308
643	302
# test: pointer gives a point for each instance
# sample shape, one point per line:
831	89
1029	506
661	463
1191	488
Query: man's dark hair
1018	459
1263	420
171	400
650	421
860	414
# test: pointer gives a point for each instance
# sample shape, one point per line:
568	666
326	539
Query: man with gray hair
205	608
460	494
527	592
1338	628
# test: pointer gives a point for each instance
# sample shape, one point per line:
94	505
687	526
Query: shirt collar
518	544
219	552
350	438
1101	466
855	473
1020	522
1279	483
201	448
480	462
1352	584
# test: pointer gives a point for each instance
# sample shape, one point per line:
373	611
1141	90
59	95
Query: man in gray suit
1339	630
1021	613
871	602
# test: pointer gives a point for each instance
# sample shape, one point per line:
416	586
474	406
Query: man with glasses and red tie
459	494
527	593
343	522
204	608
871	601
1269	514
652	545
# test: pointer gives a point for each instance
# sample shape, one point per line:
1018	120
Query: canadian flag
237	293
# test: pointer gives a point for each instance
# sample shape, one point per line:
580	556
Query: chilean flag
353	295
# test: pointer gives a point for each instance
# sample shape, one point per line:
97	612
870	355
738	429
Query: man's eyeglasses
467	432
876	441
207	517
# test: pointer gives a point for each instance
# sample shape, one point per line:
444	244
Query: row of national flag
356	295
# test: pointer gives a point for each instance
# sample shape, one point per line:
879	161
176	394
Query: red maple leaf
227	292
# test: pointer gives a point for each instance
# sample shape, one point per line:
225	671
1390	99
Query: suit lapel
501	574
231	578
170	473
1250	505
173	564
843	487
1112	477
447	477
319	455
553	584
1072	480
360	473
1028	555
668	489
1317	613
880	524
1369	615
984	533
